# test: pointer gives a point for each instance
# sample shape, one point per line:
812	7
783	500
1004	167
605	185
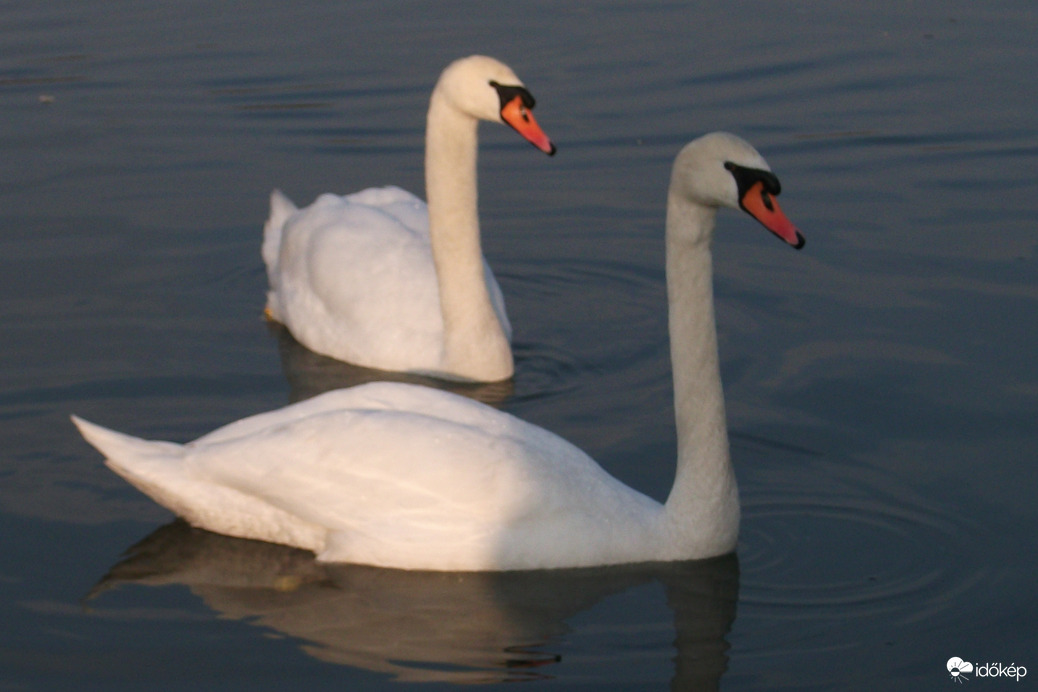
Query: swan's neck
703	505
475	346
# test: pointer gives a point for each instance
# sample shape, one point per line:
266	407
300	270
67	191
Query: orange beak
763	206
522	121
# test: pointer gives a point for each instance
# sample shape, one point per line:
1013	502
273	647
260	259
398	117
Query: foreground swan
378	279
404	476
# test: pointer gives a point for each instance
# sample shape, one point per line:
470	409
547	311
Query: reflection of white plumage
404	476
377	278
420	626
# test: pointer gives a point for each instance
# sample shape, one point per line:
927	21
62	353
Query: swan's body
379	279
402	476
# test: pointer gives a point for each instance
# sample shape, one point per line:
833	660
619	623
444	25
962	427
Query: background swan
379	279
403	476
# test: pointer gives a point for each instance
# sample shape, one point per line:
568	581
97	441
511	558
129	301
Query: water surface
881	383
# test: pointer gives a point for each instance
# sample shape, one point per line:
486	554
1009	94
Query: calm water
882	384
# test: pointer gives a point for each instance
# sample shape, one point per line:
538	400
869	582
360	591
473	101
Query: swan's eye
507	94
746	178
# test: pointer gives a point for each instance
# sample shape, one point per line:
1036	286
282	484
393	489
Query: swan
404	476
379	279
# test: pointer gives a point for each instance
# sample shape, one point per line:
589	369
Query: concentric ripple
846	544
566	331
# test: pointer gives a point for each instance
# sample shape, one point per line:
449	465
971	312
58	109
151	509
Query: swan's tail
281	207
164	471
149	466
119	447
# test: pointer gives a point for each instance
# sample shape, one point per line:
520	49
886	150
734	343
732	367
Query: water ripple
895	554
543	370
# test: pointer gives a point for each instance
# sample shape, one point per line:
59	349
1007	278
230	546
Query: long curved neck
704	504
475	346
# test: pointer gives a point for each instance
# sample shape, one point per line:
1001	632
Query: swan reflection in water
458	627
309	374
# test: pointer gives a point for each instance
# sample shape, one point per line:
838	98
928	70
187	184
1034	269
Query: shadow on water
546	363
471	627
309	374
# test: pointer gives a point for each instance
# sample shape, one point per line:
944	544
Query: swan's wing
356	279
389	236
395	475
398	482
366	263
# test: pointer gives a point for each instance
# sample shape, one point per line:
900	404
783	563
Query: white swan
378	279
405	476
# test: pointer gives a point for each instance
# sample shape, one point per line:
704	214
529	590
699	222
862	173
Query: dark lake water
882	384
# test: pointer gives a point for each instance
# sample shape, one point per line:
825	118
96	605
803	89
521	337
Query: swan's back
352	277
397	476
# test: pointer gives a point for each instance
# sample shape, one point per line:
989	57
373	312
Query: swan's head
487	89
722	170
